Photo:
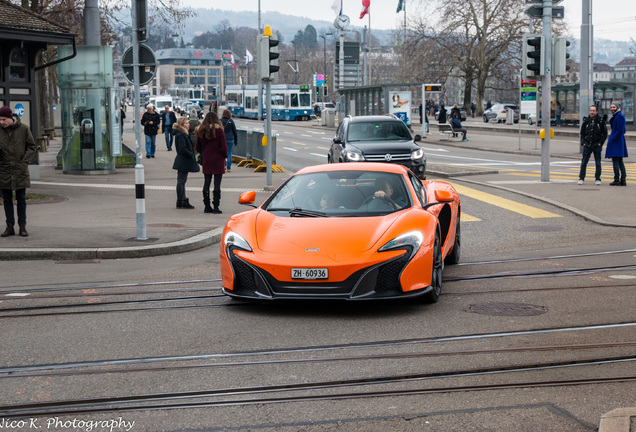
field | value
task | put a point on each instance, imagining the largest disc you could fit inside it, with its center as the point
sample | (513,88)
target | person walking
(231,136)
(150,121)
(184,162)
(122,116)
(213,148)
(17,148)
(616,145)
(592,137)
(442,114)
(168,119)
(473,107)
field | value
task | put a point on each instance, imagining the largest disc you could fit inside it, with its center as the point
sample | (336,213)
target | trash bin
(509,116)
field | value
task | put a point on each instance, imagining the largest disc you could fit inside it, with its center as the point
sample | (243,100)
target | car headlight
(417,154)
(413,239)
(354,156)
(235,240)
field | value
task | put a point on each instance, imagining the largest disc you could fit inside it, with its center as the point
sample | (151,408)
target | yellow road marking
(469,218)
(504,203)
(298,143)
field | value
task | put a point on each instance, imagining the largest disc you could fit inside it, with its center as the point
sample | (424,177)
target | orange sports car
(345,231)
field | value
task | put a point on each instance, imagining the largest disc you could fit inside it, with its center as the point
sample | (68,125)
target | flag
(365,8)
(400,6)
(337,7)
(248,57)
(232,59)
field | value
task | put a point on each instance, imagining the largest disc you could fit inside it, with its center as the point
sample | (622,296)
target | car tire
(530,121)
(485,119)
(436,272)
(453,257)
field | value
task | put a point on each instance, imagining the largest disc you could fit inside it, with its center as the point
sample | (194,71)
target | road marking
(318,154)
(327,138)
(468,218)
(299,143)
(435,149)
(516,207)
(314,132)
(290,149)
(323,148)
(307,136)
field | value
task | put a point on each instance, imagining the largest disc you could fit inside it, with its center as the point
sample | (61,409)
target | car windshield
(340,194)
(378,131)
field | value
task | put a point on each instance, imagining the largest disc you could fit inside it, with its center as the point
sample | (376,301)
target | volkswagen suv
(377,139)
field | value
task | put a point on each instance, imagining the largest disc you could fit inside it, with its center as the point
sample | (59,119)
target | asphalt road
(536,313)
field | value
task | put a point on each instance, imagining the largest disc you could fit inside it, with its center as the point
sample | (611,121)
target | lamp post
(324,51)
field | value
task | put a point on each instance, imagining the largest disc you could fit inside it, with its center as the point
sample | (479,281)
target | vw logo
(388,157)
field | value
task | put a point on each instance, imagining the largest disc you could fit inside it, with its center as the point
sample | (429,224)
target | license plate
(309,273)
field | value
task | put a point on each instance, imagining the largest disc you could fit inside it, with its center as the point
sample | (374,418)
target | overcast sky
(613,19)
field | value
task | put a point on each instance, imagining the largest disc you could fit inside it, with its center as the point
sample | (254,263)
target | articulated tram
(289,101)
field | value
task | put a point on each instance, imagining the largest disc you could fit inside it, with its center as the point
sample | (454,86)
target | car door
(337,144)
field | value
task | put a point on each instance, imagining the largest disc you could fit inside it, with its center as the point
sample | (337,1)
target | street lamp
(324,50)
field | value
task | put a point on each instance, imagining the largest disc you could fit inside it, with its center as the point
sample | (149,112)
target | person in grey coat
(17,148)
(184,162)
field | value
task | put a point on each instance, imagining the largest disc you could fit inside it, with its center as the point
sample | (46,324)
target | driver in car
(385,191)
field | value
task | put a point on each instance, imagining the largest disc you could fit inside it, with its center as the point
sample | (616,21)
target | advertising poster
(400,105)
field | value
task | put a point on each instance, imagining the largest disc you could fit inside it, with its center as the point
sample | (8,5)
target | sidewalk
(94,216)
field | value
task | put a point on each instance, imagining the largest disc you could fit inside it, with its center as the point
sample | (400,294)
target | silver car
(498,112)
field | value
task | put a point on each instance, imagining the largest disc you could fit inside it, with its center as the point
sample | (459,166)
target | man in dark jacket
(168,119)
(150,121)
(16,151)
(593,135)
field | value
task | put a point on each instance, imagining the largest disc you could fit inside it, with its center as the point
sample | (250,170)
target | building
(625,70)
(179,69)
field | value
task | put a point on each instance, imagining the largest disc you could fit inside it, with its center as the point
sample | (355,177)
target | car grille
(387,157)
(382,280)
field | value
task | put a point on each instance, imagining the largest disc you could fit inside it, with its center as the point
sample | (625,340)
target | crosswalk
(572,173)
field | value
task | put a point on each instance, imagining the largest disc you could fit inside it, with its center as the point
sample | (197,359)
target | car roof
(374,118)
(355,166)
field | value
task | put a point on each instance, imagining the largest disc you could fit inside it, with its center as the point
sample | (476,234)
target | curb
(618,420)
(65,254)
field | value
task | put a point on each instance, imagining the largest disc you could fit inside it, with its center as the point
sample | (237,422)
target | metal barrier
(250,151)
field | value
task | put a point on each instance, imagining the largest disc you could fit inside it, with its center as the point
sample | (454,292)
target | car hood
(375,147)
(330,236)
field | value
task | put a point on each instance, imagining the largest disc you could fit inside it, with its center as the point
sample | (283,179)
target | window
(294,99)
(305,100)
(17,65)
(197,71)
(180,80)
(278,99)
(248,103)
(180,71)
(232,98)
(213,80)
(213,72)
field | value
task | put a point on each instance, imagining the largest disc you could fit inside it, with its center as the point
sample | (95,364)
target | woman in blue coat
(184,161)
(616,145)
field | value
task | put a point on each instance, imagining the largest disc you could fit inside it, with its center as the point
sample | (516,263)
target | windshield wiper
(306,213)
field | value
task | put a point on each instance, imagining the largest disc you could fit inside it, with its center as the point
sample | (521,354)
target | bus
(289,101)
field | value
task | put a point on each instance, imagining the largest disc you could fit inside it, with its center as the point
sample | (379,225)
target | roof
(14,17)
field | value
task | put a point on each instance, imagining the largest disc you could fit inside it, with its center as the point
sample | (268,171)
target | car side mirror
(337,140)
(444,196)
(247,198)
(418,137)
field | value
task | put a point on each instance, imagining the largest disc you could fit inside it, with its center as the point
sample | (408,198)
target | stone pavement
(94,216)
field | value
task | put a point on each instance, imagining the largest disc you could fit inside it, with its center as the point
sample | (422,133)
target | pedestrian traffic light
(560,56)
(326,90)
(533,56)
(267,55)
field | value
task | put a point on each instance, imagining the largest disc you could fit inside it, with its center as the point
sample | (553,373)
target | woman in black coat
(184,161)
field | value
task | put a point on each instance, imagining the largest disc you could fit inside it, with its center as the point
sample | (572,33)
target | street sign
(536,11)
(147,65)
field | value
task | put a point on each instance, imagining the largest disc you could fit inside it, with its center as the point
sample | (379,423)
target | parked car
(498,112)
(377,139)
(462,113)
(328,233)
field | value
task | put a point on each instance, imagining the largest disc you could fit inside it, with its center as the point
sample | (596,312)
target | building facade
(180,69)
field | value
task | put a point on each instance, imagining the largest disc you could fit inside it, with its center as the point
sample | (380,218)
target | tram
(195,94)
(289,101)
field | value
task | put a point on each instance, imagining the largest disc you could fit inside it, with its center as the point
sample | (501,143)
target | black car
(377,139)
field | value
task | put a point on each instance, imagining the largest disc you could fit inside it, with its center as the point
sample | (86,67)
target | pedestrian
(457,127)
(16,151)
(168,119)
(454,112)
(473,108)
(213,148)
(192,130)
(558,112)
(489,104)
(616,145)
(593,134)
(150,121)
(231,137)
(184,162)
(442,114)
(122,116)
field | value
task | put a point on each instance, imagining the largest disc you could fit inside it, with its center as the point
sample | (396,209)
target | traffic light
(560,56)
(326,90)
(533,56)
(267,55)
